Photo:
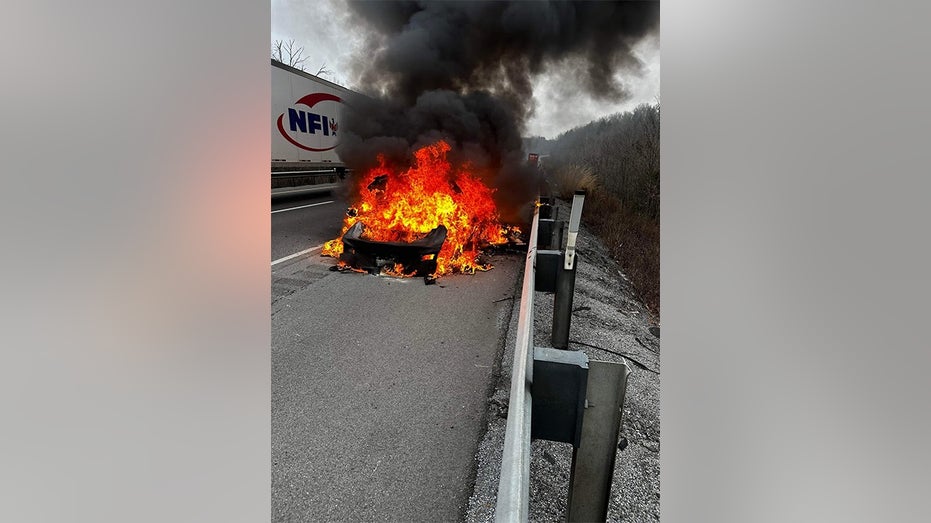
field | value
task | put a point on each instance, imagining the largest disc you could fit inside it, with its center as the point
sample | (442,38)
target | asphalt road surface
(303,222)
(379,384)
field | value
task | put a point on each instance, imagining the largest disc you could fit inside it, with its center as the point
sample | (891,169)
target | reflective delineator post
(565,279)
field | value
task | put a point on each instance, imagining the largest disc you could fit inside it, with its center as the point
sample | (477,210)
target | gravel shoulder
(607,315)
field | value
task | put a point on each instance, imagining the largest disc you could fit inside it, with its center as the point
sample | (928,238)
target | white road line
(295,255)
(302,206)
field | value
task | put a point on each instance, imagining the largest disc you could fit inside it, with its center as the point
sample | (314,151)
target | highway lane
(379,385)
(303,222)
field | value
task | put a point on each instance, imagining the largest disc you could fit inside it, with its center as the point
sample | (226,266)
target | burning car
(429,219)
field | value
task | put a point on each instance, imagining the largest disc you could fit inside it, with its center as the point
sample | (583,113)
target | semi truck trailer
(306,120)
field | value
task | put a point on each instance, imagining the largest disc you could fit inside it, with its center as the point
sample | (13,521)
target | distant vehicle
(536,159)
(306,118)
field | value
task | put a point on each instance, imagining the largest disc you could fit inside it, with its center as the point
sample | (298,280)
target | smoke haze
(464,71)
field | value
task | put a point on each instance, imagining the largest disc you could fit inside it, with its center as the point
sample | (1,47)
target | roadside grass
(631,238)
(570,178)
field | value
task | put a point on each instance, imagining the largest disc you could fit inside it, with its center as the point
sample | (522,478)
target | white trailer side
(305,120)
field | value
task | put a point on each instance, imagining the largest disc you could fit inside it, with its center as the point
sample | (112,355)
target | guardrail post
(547,208)
(547,269)
(565,279)
(560,378)
(560,233)
(545,239)
(593,460)
(562,304)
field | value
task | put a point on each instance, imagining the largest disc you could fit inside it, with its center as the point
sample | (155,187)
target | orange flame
(404,206)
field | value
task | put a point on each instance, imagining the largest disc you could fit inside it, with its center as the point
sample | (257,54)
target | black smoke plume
(463,71)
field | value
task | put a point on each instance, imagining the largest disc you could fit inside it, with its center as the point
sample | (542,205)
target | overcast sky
(325,29)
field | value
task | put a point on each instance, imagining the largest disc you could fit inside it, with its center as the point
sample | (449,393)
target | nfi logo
(299,120)
(312,130)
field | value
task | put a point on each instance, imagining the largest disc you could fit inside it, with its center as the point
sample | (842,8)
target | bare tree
(323,70)
(622,151)
(288,54)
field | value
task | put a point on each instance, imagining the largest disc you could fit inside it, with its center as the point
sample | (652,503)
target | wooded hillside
(617,160)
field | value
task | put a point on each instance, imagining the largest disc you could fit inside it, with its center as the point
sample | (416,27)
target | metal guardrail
(514,483)
(551,387)
(299,173)
(281,180)
(303,190)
